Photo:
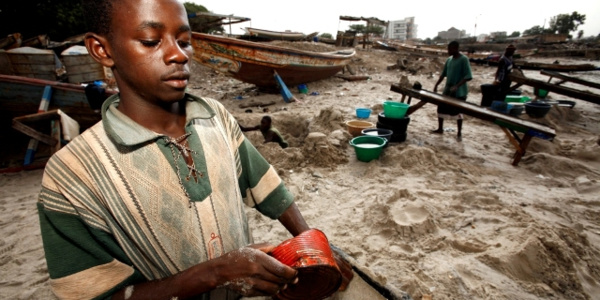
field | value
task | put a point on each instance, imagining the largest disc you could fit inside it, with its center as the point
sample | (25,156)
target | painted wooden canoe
(255,63)
(275,35)
(21,96)
(525,65)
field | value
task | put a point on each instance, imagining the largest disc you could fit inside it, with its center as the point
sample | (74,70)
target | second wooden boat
(275,35)
(256,62)
(21,96)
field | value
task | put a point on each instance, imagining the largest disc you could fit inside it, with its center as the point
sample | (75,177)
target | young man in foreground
(457,72)
(148,203)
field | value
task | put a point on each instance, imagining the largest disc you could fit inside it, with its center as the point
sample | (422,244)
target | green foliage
(535,30)
(359,28)
(428,41)
(374,29)
(580,34)
(204,24)
(58,19)
(515,34)
(326,35)
(565,23)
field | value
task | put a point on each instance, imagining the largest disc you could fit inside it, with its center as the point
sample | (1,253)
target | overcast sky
(431,16)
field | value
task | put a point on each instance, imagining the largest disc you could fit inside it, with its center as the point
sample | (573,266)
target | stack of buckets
(394,118)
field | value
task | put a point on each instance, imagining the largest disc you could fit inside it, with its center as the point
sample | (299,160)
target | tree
(374,29)
(515,34)
(580,34)
(58,19)
(428,41)
(359,28)
(204,24)
(535,30)
(326,35)
(565,23)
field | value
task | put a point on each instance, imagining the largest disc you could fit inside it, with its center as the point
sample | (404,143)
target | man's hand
(453,89)
(251,272)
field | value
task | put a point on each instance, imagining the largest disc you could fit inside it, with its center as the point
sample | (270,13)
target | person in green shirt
(457,72)
(270,133)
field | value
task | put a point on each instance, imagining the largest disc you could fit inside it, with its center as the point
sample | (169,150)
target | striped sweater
(114,212)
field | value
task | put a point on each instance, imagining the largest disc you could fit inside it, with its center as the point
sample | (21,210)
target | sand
(433,217)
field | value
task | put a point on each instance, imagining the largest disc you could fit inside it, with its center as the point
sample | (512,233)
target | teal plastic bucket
(368,148)
(395,110)
(302,88)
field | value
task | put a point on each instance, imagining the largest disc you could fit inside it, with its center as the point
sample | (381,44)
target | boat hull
(256,62)
(275,35)
(21,96)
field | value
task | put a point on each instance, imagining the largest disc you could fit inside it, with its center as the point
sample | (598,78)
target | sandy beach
(432,217)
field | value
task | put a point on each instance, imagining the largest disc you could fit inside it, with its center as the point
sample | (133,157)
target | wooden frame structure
(509,124)
(53,140)
(520,80)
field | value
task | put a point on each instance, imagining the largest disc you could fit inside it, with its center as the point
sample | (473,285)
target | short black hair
(267,118)
(453,44)
(99,15)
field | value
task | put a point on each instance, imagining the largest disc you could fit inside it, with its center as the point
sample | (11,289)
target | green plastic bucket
(368,148)
(395,110)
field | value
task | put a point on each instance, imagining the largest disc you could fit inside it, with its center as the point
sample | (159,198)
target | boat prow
(256,63)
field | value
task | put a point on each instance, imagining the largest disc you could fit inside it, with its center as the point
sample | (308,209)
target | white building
(402,29)
(452,34)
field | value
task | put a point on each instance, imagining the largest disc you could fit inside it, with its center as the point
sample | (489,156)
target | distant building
(482,38)
(402,29)
(498,35)
(452,34)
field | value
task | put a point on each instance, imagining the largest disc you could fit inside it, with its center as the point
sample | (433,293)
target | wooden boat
(21,96)
(492,60)
(274,35)
(423,51)
(525,65)
(256,62)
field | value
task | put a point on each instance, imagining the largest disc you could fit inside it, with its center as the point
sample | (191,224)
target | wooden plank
(564,78)
(44,138)
(472,110)
(586,96)
(523,146)
(42,116)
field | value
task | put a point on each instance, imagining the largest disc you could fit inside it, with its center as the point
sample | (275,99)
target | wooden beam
(570,79)
(586,96)
(48,115)
(44,138)
(475,110)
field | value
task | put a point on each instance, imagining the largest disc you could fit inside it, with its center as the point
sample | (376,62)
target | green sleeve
(82,261)
(260,185)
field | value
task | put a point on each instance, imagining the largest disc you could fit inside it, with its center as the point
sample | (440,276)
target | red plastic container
(318,274)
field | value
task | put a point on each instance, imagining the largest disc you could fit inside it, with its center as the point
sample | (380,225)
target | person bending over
(270,133)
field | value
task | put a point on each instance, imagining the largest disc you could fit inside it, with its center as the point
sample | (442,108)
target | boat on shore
(528,65)
(274,35)
(22,95)
(256,63)
(422,51)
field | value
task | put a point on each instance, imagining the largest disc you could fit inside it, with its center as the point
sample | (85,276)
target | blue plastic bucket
(363,113)
(302,88)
